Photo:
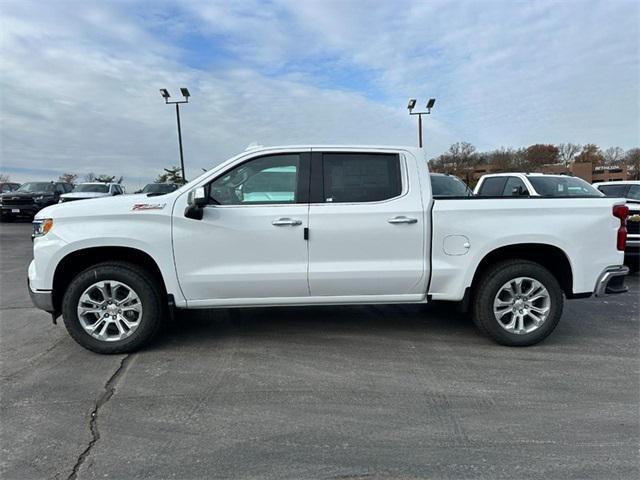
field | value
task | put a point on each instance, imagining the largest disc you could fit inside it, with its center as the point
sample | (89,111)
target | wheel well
(550,257)
(80,260)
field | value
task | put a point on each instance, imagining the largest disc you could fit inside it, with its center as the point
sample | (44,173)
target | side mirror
(519,192)
(196,202)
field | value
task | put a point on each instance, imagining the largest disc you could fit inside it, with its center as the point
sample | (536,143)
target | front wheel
(112,307)
(518,303)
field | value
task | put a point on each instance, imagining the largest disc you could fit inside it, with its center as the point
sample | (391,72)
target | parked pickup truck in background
(84,191)
(533,185)
(321,225)
(630,191)
(30,198)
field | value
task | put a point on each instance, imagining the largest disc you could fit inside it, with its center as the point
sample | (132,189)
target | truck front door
(250,242)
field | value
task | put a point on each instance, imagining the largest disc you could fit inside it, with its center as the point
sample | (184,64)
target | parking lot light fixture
(411,106)
(185,93)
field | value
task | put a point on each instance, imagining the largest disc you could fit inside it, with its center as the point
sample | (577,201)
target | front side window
(615,191)
(361,177)
(492,187)
(514,188)
(563,187)
(266,180)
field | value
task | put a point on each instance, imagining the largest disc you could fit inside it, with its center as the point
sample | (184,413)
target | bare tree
(90,177)
(68,178)
(567,153)
(632,160)
(4,177)
(613,155)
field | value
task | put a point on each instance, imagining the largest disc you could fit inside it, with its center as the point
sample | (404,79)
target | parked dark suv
(30,198)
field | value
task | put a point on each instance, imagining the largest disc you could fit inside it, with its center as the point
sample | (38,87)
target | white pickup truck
(320,225)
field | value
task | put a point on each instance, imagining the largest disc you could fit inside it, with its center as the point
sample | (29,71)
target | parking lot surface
(335,392)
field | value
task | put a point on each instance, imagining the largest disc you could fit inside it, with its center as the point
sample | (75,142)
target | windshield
(448,186)
(92,187)
(36,187)
(563,187)
(158,188)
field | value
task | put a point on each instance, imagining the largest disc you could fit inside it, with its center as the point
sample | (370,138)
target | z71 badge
(148,206)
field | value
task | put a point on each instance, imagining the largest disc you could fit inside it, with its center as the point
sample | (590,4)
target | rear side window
(492,187)
(361,177)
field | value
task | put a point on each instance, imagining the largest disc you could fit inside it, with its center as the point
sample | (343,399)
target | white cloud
(80,80)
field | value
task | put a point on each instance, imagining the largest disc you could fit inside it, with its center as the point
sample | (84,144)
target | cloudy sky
(80,79)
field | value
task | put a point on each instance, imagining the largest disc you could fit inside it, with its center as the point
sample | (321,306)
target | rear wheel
(113,308)
(518,303)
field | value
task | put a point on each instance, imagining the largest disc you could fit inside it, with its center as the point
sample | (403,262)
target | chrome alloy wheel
(522,305)
(109,310)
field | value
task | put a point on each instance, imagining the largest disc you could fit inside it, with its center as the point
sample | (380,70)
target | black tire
(488,287)
(140,281)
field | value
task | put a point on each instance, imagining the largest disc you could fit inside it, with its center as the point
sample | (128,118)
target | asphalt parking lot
(334,393)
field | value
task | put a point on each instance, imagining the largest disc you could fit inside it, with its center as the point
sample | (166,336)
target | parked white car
(320,225)
(533,185)
(630,191)
(83,191)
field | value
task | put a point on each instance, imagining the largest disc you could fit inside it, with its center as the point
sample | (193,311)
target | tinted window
(160,188)
(616,191)
(265,180)
(563,187)
(37,187)
(448,186)
(92,187)
(360,177)
(492,187)
(514,188)
(634,192)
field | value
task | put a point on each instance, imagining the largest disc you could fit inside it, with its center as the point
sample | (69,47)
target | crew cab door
(366,225)
(250,242)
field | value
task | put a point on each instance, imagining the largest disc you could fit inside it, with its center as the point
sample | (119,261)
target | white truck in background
(317,225)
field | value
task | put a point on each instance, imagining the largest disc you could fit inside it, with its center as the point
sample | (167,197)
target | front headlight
(41,227)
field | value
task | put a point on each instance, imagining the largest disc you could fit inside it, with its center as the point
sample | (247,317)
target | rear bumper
(41,299)
(611,281)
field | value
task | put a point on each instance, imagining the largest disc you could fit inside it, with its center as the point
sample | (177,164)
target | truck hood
(109,206)
(78,195)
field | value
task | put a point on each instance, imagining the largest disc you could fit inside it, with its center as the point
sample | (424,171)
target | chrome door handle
(402,220)
(281,222)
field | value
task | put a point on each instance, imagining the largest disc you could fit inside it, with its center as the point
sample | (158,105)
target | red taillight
(621,212)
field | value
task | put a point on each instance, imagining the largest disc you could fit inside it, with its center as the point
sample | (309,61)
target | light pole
(185,93)
(411,106)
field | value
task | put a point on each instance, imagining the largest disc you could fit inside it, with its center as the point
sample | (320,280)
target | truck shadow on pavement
(351,322)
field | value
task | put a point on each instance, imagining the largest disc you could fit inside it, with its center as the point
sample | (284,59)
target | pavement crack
(109,390)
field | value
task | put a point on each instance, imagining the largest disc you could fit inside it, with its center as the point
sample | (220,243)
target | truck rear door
(366,225)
